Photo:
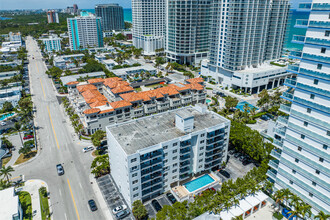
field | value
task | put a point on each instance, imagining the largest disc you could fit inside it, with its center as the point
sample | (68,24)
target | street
(70,192)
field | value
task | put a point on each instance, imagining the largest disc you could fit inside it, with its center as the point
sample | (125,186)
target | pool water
(3,117)
(240,106)
(208,100)
(198,183)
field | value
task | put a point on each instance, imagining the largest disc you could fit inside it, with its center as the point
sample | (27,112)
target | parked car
(86,149)
(28,137)
(118,209)
(122,214)
(241,158)
(3,123)
(92,205)
(60,169)
(231,151)
(246,162)
(156,205)
(236,155)
(264,117)
(171,198)
(224,173)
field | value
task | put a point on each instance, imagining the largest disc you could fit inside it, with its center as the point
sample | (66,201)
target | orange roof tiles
(91,111)
(120,104)
(92,96)
(131,97)
(96,80)
(121,89)
(195,80)
(107,110)
(86,87)
(72,83)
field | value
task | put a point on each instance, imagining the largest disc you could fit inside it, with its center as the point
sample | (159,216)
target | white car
(86,149)
(119,208)
(3,123)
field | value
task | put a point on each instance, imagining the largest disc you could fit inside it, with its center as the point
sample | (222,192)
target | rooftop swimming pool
(208,100)
(198,183)
(4,116)
(240,106)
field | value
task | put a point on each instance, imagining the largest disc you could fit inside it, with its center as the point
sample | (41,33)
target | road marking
(65,216)
(74,203)
(43,91)
(80,186)
(60,192)
(51,122)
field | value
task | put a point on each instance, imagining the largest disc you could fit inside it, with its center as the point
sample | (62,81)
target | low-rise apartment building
(11,93)
(101,102)
(132,71)
(63,61)
(150,155)
(10,206)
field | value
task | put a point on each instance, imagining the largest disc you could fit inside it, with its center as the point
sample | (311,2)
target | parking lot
(162,199)
(111,194)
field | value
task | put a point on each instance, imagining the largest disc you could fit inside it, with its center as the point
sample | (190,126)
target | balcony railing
(285,108)
(301,22)
(187,156)
(321,6)
(303,6)
(296,53)
(280,131)
(275,154)
(312,104)
(313,89)
(293,68)
(271,174)
(273,163)
(300,39)
(320,24)
(315,73)
(316,57)
(318,41)
(309,132)
(278,143)
(283,120)
(311,119)
(287,95)
(290,82)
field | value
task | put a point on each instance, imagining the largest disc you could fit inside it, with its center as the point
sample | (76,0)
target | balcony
(311,40)
(184,169)
(321,6)
(295,54)
(283,120)
(316,57)
(286,108)
(278,143)
(149,156)
(184,150)
(309,132)
(298,39)
(305,6)
(315,73)
(312,104)
(290,82)
(275,153)
(311,119)
(313,89)
(319,24)
(271,174)
(301,23)
(288,96)
(151,162)
(280,131)
(175,101)
(151,170)
(273,164)
(182,164)
(185,157)
(293,68)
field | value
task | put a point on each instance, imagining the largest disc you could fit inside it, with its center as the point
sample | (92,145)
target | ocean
(294,15)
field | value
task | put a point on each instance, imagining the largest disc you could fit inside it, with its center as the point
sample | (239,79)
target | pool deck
(183,194)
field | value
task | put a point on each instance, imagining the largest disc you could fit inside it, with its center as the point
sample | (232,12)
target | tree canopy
(139,210)
(97,137)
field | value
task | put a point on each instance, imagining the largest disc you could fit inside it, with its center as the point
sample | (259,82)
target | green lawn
(44,206)
(25,199)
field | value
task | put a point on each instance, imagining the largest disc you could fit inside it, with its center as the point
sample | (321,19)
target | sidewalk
(32,187)
(16,141)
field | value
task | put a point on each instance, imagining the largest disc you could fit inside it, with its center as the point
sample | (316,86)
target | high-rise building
(112,16)
(187,30)
(15,37)
(244,37)
(75,9)
(52,43)
(302,159)
(148,25)
(52,17)
(150,155)
(85,31)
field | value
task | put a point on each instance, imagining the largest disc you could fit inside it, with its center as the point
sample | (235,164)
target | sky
(82,4)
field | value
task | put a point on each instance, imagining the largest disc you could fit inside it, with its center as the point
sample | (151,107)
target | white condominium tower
(302,160)
(148,25)
(187,31)
(244,36)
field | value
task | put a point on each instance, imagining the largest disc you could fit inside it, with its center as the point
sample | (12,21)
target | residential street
(70,192)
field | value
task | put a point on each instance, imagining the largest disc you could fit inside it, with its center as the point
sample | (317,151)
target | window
(325,147)
(133,160)
(327,33)
(175,144)
(201,148)
(302,136)
(202,141)
(135,181)
(323,49)
(135,188)
(316,81)
(201,154)
(311,194)
(312,96)
(328,133)
(201,160)
(309,110)
(296,160)
(174,177)
(174,158)
(294,172)
(175,165)
(291,182)
(165,161)
(202,135)
(165,147)
(173,171)
(165,154)
(321,159)
(134,168)
(299,148)
(134,174)
(319,66)
(200,166)
(165,174)
(313,183)
(317,171)
(305,123)
(136,195)
(174,151)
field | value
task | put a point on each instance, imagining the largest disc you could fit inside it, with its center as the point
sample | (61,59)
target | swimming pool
(4,116)
(198,183)
(240,106)
(208,100)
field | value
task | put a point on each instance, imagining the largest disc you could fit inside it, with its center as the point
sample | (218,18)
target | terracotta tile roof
(121,89)
(96,80)
(105,111)
(131,97)
(92,96)
(91,111)
(195,80)
(114,82)
(120,104)
(72,83)
(86,87)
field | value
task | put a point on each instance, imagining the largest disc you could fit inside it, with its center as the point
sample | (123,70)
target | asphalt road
(70,192)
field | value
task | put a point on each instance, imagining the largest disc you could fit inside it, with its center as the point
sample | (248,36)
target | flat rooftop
(262,68)
(148,131)
(8,203)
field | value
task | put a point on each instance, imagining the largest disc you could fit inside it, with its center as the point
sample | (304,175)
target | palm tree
(322,216)
(6,172)
(281,195)
(17,127)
